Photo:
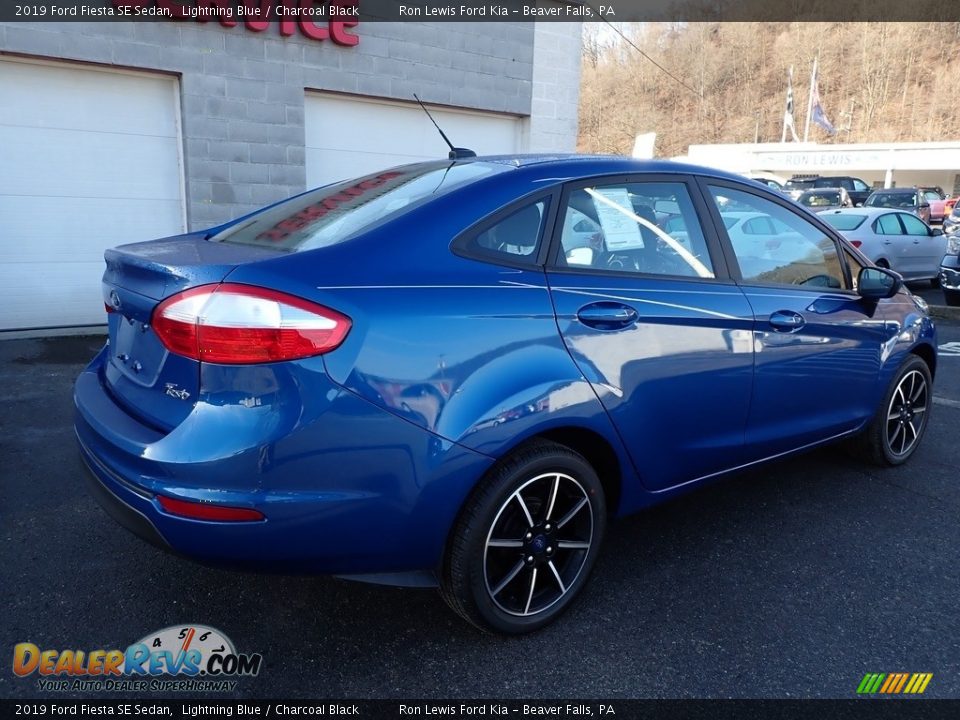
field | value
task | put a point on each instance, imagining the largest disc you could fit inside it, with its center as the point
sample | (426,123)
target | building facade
(877,164)
(114,132)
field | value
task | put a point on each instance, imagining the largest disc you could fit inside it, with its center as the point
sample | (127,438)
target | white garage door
(348,136)
(89,159)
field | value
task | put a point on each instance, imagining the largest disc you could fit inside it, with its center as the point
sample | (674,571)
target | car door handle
(607,315)
(787,320)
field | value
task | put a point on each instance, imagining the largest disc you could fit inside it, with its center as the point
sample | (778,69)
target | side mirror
(859,205)
(878,283)
(936,232)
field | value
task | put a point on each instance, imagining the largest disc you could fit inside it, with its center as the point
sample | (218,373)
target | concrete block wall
(242,92)
(553,118)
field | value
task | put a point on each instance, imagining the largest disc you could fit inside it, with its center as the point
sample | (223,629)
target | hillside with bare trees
(727,83)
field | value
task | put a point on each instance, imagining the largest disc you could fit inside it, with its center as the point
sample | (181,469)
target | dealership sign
(825,159)
(315,19)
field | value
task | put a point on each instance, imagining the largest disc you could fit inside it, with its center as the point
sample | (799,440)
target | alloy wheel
(538,544)
(907,413)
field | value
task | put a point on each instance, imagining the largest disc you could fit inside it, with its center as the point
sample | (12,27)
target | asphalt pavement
(793,580)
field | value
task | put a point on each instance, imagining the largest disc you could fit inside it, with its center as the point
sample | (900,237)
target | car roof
(911,190)
(569,166)
(868,211)
(741,214)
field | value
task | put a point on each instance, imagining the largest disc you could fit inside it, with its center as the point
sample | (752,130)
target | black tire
(514,565)
(896,430)
(951,298)
(935,282)
(881,263)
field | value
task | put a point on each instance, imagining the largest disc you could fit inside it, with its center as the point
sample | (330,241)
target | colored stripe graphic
(903,681)
(894,683)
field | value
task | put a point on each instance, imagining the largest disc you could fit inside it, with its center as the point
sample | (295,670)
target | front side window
(644,227)
(913,225)
(791,250)
(859,185)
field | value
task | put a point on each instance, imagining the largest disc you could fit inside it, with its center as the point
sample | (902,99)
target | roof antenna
(455,152)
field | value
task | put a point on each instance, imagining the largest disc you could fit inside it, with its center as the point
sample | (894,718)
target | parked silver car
(894,239)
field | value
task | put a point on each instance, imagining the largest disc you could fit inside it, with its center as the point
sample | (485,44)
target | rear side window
(887,225)
(513,239)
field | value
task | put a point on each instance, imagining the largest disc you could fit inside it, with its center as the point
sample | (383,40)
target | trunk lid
(145,379)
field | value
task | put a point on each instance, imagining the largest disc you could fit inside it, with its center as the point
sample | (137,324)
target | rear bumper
(126,515)
(345,487)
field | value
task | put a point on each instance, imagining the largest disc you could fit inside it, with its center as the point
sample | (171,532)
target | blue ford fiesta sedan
(457,372)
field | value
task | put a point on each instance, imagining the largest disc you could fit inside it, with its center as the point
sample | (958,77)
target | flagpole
(783,135)
(813,79)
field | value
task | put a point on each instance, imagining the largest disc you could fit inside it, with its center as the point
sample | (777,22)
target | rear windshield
(820,198)
(337,212)
(844,222)
(892,199)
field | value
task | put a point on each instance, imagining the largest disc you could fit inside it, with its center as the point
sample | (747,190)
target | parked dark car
(951,223)
(950,271)
(856,188)
(910,199)
(422,377)
(796,186)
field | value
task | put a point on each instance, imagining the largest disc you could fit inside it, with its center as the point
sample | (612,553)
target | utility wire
(634,46)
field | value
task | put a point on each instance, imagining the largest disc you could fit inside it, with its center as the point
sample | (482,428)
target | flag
(788,114)
(818,115)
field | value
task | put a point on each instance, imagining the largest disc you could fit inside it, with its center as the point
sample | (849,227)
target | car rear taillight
(238,324)
(856,243)
(208,511)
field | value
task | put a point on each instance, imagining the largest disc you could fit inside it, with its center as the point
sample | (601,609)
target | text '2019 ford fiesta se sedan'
(427,375)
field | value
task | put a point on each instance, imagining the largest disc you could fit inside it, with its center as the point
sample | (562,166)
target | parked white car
(894,239)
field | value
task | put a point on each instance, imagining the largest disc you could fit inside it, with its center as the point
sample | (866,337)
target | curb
(943,312)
